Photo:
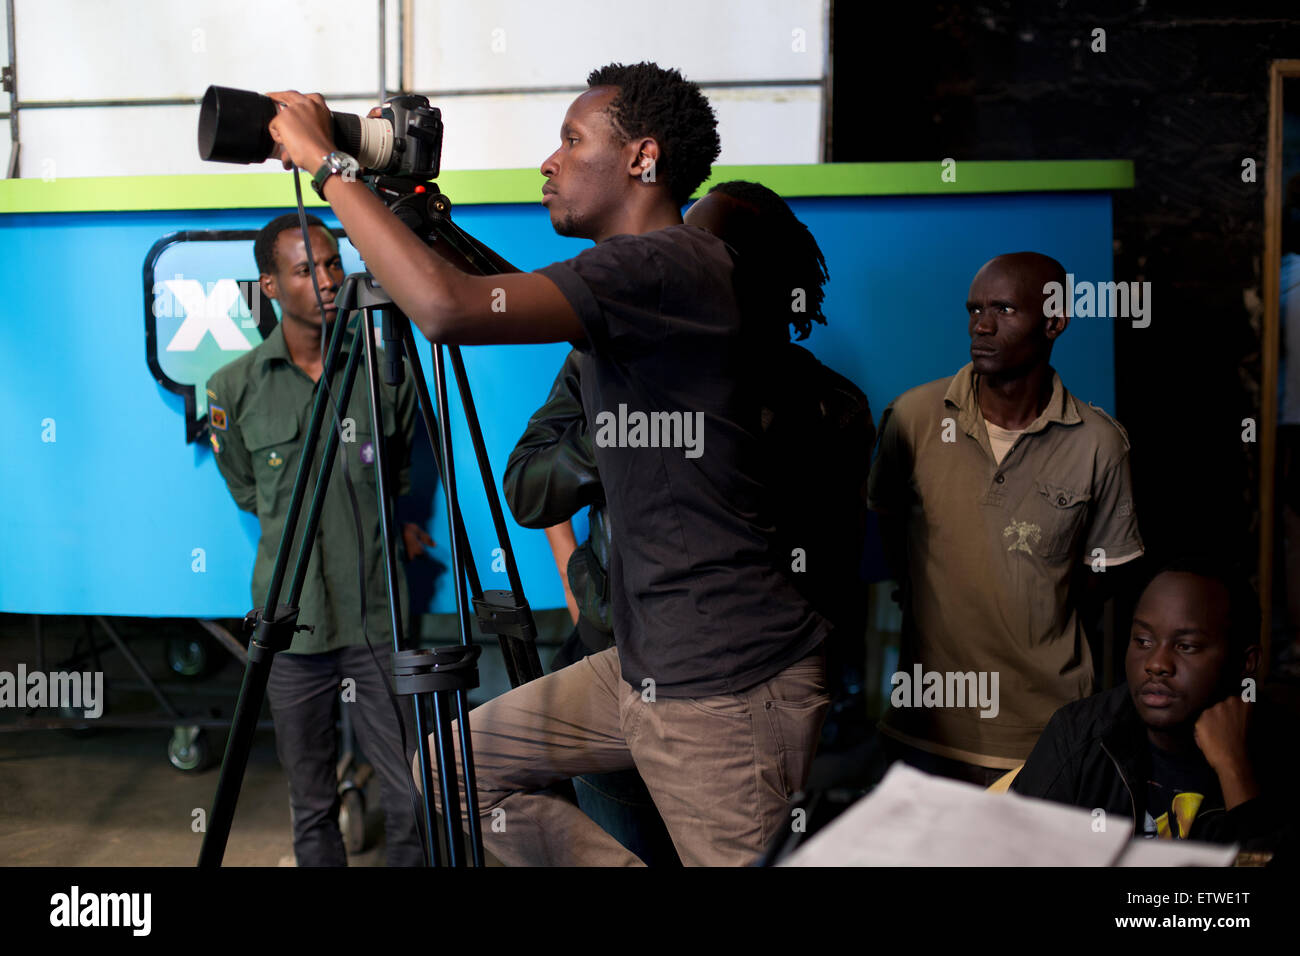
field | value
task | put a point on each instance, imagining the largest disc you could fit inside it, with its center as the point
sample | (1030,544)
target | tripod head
(426,211)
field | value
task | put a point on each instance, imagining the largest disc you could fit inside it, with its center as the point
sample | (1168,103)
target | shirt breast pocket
(1060,511)
(273,448)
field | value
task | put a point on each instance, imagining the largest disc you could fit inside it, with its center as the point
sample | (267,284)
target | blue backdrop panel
(106,517)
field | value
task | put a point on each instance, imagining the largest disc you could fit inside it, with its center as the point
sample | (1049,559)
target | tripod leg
(527,661)
(429,415)
(461,699)
(458,561)
(446,759)
(391,570)
(252,693)
(310,441)
(274,633)
(326,470)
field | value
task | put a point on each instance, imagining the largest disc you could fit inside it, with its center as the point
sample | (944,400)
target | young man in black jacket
(1180,751)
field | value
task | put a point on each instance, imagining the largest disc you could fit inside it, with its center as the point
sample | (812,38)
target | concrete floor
(112,799)
(109,796)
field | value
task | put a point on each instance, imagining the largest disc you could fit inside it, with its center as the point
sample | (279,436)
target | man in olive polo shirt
(998,491)
(259,409)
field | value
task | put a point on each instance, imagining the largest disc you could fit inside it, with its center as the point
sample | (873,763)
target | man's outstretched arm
(445,304)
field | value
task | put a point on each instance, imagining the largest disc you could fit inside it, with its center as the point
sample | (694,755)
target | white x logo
(206,312)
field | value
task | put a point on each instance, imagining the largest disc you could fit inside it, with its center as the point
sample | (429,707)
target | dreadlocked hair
(779,258)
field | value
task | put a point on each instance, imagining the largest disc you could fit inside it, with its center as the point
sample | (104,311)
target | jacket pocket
(273,447)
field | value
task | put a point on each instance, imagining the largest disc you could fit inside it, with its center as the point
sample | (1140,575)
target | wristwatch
(335,162)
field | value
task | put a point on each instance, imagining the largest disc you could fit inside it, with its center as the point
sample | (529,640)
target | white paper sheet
(914,819)
(1177,853)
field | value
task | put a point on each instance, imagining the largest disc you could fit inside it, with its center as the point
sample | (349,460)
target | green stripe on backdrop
(264,191)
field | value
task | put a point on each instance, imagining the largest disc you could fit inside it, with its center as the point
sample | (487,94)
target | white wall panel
(122,141)
(4,56)
(771,125)
(134,49)
(501,132)
(523,43)
(768,125)
(774,125)
(131,49)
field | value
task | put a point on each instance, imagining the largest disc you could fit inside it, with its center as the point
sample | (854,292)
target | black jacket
(551,476)
(1094,754)
(818,435)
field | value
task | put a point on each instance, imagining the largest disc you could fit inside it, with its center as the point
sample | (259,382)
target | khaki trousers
(721,769)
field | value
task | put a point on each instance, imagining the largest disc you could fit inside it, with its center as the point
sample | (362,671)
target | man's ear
(1250,663)
(270,288)
(1057,324)
(644,160)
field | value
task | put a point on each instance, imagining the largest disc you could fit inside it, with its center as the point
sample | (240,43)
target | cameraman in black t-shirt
(716,689)
(818,436)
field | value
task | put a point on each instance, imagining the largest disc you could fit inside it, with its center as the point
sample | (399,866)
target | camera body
(417,151)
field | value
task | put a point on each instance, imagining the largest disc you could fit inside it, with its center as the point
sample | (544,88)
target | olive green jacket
(259,409)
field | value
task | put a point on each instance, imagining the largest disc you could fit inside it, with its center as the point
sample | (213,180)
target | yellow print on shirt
(1184,807)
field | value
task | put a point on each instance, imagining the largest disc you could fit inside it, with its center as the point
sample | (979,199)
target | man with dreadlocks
(817,426)
(818,435)
(716,688)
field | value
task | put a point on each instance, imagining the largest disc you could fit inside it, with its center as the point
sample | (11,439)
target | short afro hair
(1243,600)
(652,101)
(777,256)
(264,244)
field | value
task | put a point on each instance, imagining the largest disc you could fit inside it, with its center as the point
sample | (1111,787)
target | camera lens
(233,126)
(233,129)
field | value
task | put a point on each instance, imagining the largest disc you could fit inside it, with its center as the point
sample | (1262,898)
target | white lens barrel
(376,143)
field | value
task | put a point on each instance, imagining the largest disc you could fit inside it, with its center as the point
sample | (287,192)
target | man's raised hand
(302,129)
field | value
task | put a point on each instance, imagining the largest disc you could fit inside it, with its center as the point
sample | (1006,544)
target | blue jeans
(622,805)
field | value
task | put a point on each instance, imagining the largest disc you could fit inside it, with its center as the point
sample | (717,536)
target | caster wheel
(76,713)
(189,656)
(188,749)
(352,819)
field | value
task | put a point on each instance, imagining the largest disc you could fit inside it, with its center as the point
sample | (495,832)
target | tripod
(439,679)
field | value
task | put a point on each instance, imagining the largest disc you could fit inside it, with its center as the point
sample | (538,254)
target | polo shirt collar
(1062,407)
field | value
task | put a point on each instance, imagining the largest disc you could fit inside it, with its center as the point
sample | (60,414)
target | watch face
(335,162)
